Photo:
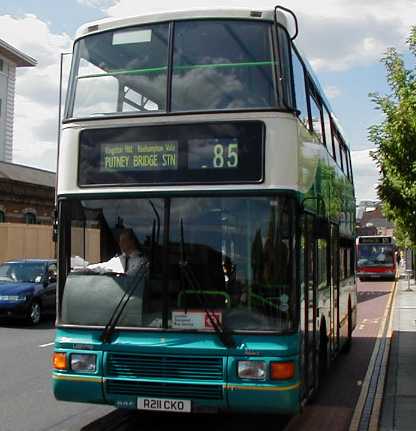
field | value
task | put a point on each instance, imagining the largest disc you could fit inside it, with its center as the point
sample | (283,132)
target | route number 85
(225,156)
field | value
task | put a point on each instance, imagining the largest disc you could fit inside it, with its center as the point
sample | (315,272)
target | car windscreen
(22,272)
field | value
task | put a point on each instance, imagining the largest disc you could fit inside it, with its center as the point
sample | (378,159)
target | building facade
(10,59)
(27,195)
(371,220)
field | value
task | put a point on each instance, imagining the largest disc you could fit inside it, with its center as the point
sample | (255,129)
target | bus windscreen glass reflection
(237,249)
(375,254)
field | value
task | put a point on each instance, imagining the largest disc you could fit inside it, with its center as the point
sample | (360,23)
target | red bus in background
(376,257)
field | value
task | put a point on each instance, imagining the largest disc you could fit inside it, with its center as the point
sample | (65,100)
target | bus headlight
(255,370)
(83,363)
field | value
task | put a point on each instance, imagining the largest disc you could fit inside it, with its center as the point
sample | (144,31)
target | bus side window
(348,155)
(328,134)
(285,70)
(344,159)
(316,118)
(351,170)
(337,145)
(300,88)
(342,268)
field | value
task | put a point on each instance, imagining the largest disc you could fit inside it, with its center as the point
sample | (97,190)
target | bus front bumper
(207,397)
(368,274)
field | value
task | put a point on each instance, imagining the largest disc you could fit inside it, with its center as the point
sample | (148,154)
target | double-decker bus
(206,137)
(376,257)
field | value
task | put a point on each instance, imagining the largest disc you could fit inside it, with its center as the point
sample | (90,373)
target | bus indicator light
(59,361)
(282,370)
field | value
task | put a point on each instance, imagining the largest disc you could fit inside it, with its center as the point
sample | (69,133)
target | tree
(395,141)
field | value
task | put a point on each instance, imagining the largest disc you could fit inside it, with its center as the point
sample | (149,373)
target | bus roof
(231,13)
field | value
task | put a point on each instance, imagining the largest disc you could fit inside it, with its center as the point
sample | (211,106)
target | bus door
(310,281)
(334,247)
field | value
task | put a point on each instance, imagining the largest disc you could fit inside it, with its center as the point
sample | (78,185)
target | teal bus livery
(205,217)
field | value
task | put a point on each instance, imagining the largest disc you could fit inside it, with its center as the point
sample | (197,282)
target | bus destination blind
(375,240)
(213,153)
(139,156)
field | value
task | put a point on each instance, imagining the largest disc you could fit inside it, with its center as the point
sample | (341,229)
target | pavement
(399,400)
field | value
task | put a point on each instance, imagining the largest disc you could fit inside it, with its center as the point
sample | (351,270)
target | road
(26,399)
(335,401)
(27,403)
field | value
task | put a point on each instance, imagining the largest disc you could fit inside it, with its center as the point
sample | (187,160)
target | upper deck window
(120,71)
(222,65)
(316,119)
(300,88)
(216,65)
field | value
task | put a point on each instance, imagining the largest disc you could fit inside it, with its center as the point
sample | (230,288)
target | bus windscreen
(375,255)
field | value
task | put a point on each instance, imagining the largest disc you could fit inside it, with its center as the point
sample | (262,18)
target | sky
(343,40)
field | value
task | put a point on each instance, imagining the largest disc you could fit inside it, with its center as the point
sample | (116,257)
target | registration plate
(164,405)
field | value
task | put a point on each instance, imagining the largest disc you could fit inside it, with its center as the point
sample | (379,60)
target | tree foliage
(395,141)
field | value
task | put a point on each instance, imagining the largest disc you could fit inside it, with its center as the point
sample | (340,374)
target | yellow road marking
(355,421)
(375,413)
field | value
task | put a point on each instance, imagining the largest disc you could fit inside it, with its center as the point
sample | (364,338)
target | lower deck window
(230,255)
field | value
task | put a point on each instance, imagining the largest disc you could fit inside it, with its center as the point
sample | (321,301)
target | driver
(130,259)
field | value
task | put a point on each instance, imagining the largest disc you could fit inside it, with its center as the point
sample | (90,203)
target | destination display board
(139,156)
(375,240)
(213,153)
(173,154)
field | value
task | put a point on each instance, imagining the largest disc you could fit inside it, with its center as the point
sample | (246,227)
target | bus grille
(164,390)
(171,367)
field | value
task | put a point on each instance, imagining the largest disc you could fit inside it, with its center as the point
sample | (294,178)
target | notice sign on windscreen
(140,156)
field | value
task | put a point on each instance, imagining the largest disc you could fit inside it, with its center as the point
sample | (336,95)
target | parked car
(28,289)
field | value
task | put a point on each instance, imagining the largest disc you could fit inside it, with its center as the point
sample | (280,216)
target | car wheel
(35,313)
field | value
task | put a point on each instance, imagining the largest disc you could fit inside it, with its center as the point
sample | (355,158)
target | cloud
(332,91)
(97,4)
(365,175)
(37,88)
(335,35)
(353,41)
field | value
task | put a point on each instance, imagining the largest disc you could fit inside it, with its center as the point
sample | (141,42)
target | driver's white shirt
(134,263)
(118,263)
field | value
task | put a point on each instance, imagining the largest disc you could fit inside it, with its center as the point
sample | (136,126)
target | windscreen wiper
(188,274)
(158,220)
(118,310)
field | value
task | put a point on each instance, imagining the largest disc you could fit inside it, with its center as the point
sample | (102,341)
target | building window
(2,217)
(30,218)
(1,65)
